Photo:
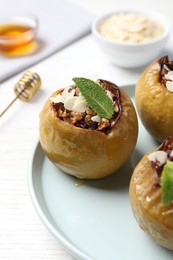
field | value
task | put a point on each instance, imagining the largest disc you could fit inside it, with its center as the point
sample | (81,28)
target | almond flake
(79,106)
(134,28)
(57,99)
(109,95)
(69,102)
(169,75)
(81,98)
(68,92)
(169,85)
(159,156)
(96,119)
(171,154)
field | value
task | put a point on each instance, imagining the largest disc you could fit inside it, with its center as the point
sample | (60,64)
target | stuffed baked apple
(154,98)
(151,194)
(88,129)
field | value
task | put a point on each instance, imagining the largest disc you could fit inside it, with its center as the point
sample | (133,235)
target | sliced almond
(79,106)
(169,85)
(96,119)
(69,102)
(57,99)
(109,95)
(159,156)
(81,98)
(169,75)
(171,154)
(68,92)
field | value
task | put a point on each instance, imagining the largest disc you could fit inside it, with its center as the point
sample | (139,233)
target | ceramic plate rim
(72,249)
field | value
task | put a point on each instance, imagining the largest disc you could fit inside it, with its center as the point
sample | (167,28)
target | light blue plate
(94,220)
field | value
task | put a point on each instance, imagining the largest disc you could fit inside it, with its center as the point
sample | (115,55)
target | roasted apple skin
(88,153)
(148,210)
(154,103)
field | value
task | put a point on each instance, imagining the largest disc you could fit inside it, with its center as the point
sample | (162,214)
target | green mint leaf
(96,97)
(167,183)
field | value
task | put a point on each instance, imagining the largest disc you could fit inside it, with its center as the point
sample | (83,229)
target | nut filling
(158,164)
(166,73)
(89,119)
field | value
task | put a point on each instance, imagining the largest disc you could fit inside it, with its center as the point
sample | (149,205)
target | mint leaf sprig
(167,183)
(96,97)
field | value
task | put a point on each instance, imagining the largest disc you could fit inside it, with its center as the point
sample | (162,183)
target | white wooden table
(22,234)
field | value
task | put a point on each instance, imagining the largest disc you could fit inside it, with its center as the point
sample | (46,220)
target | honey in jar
(17,36)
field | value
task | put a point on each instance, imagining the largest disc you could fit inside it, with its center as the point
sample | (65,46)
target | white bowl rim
(148,12)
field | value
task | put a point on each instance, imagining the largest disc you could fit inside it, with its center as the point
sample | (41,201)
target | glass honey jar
(18,35)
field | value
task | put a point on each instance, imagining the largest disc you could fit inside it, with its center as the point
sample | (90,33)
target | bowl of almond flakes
(131,37)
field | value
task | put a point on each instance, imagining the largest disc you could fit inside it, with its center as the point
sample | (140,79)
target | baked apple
(154,98)
(79,141)
(147,186)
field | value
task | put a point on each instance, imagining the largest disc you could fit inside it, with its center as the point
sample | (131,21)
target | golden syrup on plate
(79,182)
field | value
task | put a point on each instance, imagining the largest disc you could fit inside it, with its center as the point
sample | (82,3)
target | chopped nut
(104,120)
(64,114)
(89,111)
(116,108)
(104,123)
(76,117)
(88,117)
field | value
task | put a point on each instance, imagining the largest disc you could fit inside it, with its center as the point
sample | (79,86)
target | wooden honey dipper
(25,88)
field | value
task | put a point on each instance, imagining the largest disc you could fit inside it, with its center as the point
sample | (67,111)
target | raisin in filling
(83,120)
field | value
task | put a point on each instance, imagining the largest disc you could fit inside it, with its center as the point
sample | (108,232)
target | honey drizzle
(79,182)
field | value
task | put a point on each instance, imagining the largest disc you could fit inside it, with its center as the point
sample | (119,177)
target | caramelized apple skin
(88,153)
(154,103)
(145,199)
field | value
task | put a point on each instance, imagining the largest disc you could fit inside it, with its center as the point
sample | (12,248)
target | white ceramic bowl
(132,55)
